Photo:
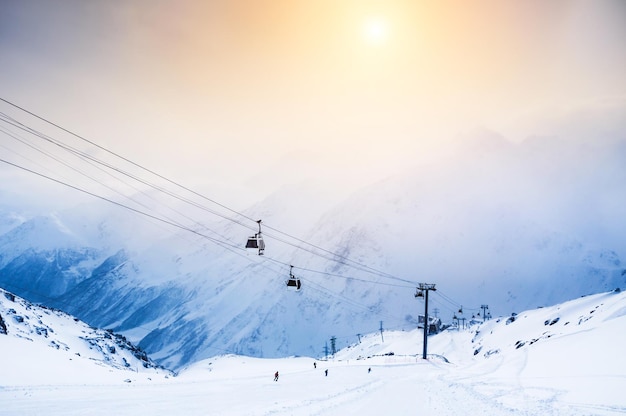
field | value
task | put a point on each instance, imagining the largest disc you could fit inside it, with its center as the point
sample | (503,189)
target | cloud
(213,93)
(602,119)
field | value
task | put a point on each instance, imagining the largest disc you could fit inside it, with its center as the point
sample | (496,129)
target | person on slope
(276,376)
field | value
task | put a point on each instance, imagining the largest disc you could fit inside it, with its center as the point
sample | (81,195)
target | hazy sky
(233,93)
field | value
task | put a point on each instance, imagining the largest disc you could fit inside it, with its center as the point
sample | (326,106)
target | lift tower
(422,291)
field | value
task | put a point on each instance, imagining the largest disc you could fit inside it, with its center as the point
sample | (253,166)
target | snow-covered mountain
(513,226)
(71,350)
(563,359)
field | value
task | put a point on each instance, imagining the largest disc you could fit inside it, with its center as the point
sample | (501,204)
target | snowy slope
(43,346)
(570,366)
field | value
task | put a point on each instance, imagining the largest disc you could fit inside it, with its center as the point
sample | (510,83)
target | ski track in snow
(420,388)
(424,387)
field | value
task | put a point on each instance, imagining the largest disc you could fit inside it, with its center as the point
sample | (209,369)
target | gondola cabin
(256,241)
(293,281)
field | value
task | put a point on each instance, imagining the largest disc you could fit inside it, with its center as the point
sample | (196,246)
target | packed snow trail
(244,386)
(239,388)
(424,388)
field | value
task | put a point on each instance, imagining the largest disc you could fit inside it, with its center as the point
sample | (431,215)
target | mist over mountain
(514,226)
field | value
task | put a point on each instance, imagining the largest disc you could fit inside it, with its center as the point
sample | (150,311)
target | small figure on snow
(314,364)
(369,370)
(276,376)
(326,372)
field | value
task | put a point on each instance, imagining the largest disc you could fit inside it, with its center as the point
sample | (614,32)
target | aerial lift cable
(221,243)
(11,134)
(346,260)
(228,246)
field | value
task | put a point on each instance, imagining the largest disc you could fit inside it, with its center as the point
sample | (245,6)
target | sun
(376,31)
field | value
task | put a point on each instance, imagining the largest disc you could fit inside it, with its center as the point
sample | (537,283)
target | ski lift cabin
(293,281)
(256,241)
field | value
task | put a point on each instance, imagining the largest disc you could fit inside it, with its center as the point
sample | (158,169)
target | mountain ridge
(39,329)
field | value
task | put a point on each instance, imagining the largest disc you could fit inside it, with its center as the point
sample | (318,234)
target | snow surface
(561,360)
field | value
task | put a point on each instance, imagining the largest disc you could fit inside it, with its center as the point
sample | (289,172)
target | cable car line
(228,246)
(335,255)
(256,241)
(66,164)
(447,299)
(455,304)
(358,266)
(90,158)
(112,167)
(109,187)
(348,262)
(361,266)
(221,243)
(310,284)
(124,158)
(333,274)
(352,278)
(236,249)
(197,194)
(176,224)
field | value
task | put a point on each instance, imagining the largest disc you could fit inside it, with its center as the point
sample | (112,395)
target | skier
(369,370)
(326,372)
(276,376)
(314,365)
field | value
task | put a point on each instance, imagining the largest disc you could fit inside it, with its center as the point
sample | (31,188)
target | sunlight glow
(376,31)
